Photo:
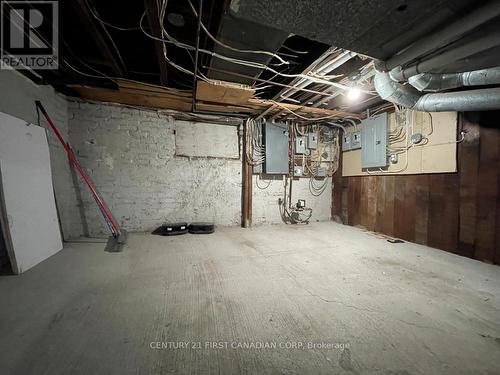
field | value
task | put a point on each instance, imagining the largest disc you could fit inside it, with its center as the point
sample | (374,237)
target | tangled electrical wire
(318,162)
(166,38)
(323,162)
(292,214)
(255,149)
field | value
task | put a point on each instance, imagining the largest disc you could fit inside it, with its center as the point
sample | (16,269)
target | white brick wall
(17,98)
(130,155)
(265,201)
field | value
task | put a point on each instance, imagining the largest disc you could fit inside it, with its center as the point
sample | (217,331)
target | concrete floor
(378,308)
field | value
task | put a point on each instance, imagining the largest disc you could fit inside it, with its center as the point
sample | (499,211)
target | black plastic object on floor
(201,228)
(394,240)
(171,229)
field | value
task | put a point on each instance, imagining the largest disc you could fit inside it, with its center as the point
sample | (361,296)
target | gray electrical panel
(346,142)
(355,140)
(351,141)
(312,142)
(320,172)
(374,141)
(300,145)
(276,135)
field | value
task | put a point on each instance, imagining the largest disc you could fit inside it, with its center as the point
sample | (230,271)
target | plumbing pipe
(468,49)
(446,36)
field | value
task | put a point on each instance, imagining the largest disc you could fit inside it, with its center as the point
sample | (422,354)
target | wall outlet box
(416,138)
(297,171)
(300,145)
(355,140)
(321,172)
(312,141)
(346,141)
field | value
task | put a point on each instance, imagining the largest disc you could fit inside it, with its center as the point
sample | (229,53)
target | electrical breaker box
(355,140)
(351,141)
(346,141)
(374,141)
(276,140)
(300,145)
(321,172)
(297,171)
(312,141)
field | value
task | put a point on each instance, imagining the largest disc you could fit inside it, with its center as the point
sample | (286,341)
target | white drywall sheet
(27,192)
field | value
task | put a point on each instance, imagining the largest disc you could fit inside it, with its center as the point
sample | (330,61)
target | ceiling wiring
(101,76)
(302,117)
(169,39)
(216,41)
(96,16)
(115,47)
(294,50)
(178,67)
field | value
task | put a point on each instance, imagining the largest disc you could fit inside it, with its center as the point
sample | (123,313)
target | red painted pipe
(106,212)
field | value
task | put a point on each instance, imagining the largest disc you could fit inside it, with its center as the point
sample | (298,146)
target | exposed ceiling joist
(152,11)
(232,100)
(100,36)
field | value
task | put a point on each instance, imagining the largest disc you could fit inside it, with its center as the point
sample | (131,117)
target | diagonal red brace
(110,220)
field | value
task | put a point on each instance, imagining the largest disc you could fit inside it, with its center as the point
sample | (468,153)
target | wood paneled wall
(457,212)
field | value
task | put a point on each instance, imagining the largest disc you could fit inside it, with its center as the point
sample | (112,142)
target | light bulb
(353,93)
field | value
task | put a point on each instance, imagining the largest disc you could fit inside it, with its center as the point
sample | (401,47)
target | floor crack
(338,302)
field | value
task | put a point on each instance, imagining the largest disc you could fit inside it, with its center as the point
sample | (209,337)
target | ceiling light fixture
(353,93)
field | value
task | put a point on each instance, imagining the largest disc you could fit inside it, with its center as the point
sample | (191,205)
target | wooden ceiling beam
(100,36)
(151,96)
(152,11)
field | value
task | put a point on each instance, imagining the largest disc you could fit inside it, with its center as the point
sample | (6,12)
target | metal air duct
(439,82)
(461,101)
(407,96)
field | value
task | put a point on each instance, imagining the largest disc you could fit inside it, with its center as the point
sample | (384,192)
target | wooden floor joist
(213,97)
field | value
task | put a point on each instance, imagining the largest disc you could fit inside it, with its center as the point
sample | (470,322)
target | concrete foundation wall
(131,156)
(17,98)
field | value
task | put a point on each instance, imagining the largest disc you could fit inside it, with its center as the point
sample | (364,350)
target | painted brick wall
(130,155)
(265,200)
(17,98)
